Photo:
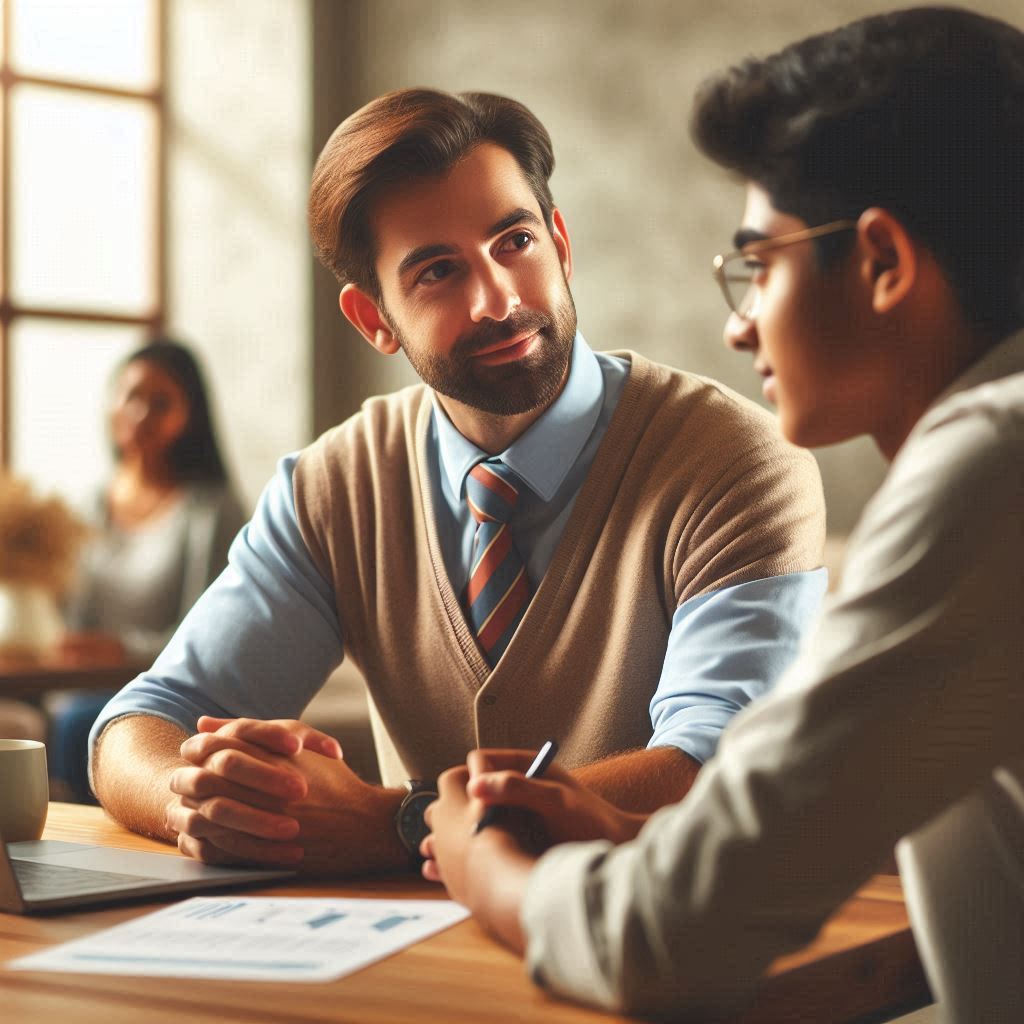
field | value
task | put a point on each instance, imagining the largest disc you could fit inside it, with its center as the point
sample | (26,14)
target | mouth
(508,350)
(768,388)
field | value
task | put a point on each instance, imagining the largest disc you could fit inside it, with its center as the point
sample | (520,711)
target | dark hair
(920,112)
(195,456)
(407,135)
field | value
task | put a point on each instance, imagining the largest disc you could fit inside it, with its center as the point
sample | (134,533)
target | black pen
(540,765)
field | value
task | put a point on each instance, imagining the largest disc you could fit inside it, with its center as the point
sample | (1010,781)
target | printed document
(255,939)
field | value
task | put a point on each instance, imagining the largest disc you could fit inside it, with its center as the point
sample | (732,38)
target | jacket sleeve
(907,699)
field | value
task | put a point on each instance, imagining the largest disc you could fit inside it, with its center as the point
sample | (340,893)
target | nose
(136,410)
(149,411)
(493,295)
(739,334)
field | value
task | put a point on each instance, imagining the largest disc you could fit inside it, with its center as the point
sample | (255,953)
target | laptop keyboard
(52,881)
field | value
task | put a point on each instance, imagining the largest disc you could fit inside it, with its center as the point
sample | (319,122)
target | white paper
(256,939)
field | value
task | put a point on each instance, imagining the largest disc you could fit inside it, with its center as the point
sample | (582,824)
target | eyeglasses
(736,271)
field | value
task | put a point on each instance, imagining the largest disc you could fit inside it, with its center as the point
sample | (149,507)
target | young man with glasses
(537,540)
(878,284)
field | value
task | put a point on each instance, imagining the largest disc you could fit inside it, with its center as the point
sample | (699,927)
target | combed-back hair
(920,112)
(412,134)
(195,455)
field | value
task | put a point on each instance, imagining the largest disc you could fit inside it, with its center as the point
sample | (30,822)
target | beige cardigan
(692,489)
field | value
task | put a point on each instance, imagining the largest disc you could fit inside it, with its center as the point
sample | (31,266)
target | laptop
(47,874)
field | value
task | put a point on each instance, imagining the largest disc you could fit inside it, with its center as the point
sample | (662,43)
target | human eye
(754,268)
(435,272)
(744,268)
(515,242)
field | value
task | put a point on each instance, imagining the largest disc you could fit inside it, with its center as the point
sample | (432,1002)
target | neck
(141,472)
(936,362)
(489,432)
(140,492)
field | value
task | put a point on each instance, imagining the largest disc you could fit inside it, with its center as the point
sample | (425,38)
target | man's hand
(490,870)
(486,872)
(567,810)
(230,806)
(281,735)
(346,826)
(570,811)
(279,794)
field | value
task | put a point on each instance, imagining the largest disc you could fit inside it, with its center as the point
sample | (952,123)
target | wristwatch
(409,823)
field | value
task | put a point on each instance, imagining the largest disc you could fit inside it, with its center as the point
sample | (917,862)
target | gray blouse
(137,583)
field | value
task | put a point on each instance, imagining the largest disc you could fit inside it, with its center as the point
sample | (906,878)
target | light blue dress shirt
(261,641)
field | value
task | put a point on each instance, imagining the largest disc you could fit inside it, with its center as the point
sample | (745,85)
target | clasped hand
(271,793)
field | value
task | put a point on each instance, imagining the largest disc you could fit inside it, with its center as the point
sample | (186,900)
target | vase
(30,624)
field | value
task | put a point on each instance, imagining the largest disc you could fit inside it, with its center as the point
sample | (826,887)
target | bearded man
(536,541)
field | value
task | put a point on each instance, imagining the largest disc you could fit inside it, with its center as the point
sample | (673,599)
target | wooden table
(26,678)
(862,967)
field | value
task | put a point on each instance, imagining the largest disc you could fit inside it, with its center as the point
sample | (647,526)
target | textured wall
(239,74)
(613,82)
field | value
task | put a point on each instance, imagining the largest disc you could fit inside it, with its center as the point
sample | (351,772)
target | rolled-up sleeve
(725,649)
(259,643)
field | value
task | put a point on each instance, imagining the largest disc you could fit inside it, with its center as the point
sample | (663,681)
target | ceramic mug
(24,791)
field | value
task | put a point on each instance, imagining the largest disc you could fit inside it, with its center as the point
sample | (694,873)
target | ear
(365,316)
(560,234)
(889,261)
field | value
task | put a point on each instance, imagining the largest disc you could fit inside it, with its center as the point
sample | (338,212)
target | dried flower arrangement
(39,538)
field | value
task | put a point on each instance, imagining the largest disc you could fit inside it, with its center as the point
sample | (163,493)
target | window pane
(60,371)
(83,183)
(108,42)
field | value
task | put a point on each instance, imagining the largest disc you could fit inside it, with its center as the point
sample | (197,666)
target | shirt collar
(1002,360)
(544,454)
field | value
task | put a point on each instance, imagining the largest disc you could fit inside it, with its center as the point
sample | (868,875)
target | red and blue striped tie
(498,590)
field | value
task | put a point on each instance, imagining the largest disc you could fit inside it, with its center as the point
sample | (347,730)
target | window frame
(11,311)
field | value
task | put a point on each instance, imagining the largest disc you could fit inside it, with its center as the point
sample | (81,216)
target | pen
(540,765)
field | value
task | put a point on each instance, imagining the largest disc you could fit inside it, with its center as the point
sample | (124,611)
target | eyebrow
(519,216)
(745,236)
(423,253)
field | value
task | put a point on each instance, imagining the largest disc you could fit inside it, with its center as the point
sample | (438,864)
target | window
(81,222)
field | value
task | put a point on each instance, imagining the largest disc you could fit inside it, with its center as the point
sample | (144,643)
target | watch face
(411,826)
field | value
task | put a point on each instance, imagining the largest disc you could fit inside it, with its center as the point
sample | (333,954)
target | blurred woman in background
(163,524)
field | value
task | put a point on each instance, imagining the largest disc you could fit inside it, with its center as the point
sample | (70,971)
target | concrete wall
(257,85)
(612,81)
(239,77)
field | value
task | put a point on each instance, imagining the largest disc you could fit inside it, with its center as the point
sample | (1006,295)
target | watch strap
(416,790)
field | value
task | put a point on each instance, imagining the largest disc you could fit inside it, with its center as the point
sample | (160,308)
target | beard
(507,389)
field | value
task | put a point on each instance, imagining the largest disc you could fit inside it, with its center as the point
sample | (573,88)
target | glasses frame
(720,263)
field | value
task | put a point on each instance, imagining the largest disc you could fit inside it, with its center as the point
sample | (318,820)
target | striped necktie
(498,590)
